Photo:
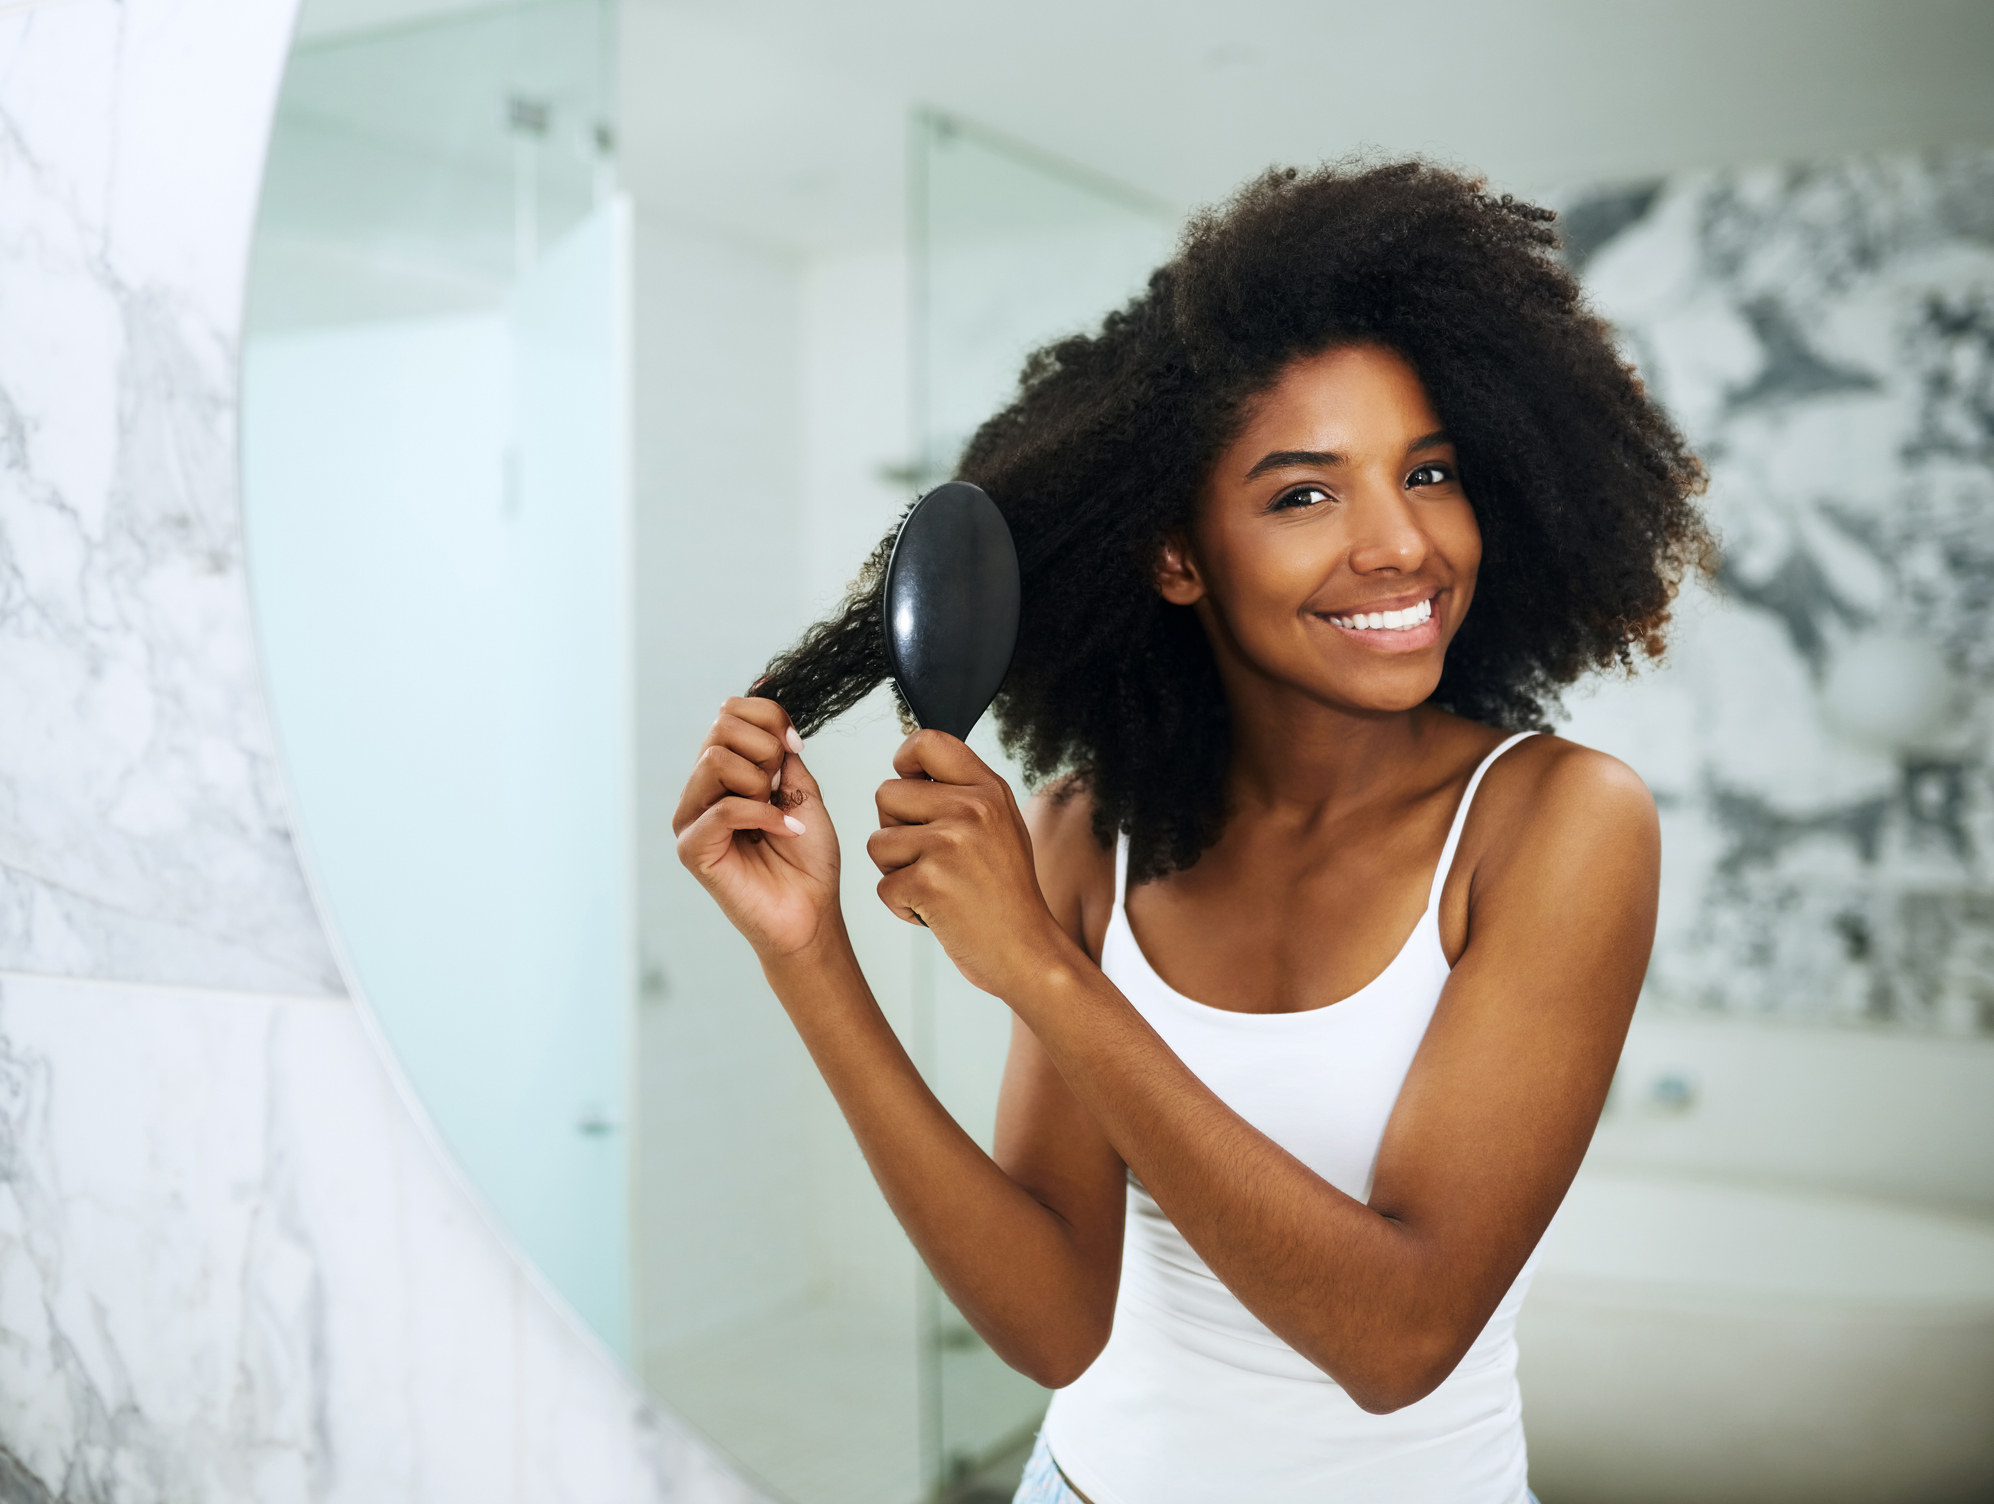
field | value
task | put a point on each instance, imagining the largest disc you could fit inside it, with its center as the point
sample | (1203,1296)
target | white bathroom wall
(854,368)
(233,1264)
(772,419)
(770,391)
(857,394)
(720,1073)
(778,1297)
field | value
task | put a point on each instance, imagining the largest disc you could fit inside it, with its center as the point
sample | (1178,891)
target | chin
(1387,694)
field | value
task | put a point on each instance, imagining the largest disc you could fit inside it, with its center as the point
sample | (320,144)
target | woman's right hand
(771,866)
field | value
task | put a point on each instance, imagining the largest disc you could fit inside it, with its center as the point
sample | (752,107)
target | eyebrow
(1284,459)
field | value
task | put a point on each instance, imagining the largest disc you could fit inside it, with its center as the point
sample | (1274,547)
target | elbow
(1058,1372)
(1413,1369)
(1390,1393)
(1060,1357)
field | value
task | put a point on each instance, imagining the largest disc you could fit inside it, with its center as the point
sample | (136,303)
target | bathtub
(1688,1340)
(1720,1315)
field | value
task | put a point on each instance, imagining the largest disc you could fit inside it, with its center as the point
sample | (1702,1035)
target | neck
(1296,755)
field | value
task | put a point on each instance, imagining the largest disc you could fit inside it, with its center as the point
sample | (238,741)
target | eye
(1297,497)
(1433,474)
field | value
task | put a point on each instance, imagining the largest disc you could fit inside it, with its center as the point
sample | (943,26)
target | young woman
(1320,961)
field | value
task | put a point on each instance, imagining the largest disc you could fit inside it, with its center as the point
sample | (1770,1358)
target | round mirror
(558,422)
(593,347)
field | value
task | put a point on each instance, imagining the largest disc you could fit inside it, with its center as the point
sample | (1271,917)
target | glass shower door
(1012,248)
(436,515)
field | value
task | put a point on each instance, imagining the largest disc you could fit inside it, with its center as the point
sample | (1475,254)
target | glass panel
(433,448)
(1011,249)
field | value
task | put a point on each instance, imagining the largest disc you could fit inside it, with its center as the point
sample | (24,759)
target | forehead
(1353,399)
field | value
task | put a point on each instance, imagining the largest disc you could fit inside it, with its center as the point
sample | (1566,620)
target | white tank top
(1194,1400)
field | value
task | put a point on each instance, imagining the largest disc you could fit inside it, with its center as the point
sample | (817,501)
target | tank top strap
(1121,869)
(1461,818)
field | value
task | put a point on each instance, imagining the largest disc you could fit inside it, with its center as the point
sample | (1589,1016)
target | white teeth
(1387,621)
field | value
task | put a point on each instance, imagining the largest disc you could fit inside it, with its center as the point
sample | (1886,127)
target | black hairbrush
(951,606)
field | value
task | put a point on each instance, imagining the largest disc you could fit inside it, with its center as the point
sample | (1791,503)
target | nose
(1386,536)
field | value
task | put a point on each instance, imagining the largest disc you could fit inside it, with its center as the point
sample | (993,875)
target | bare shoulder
(1548,798)
(1076,873)
(1557,778)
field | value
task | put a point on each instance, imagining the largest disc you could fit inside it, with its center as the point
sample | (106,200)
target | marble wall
(1819,739)
(142,832)
(234,1265)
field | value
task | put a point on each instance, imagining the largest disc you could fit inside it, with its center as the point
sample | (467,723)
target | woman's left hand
(957,857)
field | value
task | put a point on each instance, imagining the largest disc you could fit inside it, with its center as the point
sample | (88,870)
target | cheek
(1253,586)
(1263,583)
(1246,570)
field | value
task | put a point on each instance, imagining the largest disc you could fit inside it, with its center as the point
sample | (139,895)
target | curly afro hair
(1580,484)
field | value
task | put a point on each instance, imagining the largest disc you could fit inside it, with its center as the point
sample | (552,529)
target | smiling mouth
(1412,616)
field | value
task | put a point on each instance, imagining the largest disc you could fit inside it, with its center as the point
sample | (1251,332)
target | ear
(1178,579)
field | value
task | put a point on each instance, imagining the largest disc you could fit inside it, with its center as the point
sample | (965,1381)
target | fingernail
(795,741)
(775,782)
(793,823)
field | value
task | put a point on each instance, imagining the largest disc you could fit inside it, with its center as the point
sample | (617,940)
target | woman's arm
(1028,1249)
(1495,1114)
(1031,1256)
